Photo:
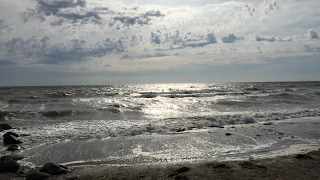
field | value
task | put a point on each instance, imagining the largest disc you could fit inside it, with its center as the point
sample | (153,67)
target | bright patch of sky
(53,42)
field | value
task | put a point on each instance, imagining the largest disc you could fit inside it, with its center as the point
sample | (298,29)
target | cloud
(271,38)
(313,34)
(201,41)
(141,19)
(177,40)
(144,56)
(42,51)
(272,5)
(231,38)
(88,16)
(156,37)
(53,7)
(311,48)
(65,11)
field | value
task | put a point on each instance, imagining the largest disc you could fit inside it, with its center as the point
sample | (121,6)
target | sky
(99,42)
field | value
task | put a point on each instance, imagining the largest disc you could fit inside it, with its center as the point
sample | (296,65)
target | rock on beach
(54,169)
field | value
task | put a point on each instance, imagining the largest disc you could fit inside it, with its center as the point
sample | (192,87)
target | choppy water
(48,115)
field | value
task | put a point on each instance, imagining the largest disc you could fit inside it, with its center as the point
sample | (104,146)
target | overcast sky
(61,42)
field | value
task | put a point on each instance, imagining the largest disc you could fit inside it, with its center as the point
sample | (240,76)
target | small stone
(228,134)
(267,123)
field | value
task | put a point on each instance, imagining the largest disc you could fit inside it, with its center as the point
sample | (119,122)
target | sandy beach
(297,166)
(300,166)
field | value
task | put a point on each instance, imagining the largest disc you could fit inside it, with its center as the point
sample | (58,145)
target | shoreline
(294,166)
(301,166)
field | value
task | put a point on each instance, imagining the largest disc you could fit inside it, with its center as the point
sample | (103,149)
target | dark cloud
(43,52)
(53,7)
(60,10)
(231,38)
(313,34)
(84,17)
(144,56)
(271,38)
(311,48)
(142,19)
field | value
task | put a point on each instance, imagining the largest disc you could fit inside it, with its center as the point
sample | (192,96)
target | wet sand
(297,166)
(285,167)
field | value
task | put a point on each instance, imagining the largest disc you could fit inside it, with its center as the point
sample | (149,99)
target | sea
(159,123)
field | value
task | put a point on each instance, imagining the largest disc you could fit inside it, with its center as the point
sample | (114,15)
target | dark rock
(228,134)
(37,176)
(5,126)
(267,123)
(11,140)
(251,165)
(54,169)
(10,133)
(183,169)
(220,166)
(13,147)
(12,157)
(180,170)
(9,166)
(303,156)
(181,129)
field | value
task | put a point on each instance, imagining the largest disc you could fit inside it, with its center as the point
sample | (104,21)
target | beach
(297,166)
(288,158)
(283,167)
(165,131)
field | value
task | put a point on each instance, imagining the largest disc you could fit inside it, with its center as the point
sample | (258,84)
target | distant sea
(51,115)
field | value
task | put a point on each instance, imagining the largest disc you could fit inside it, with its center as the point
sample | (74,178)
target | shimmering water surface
(79,117)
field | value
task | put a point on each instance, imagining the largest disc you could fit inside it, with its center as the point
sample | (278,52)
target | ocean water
(128,124)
